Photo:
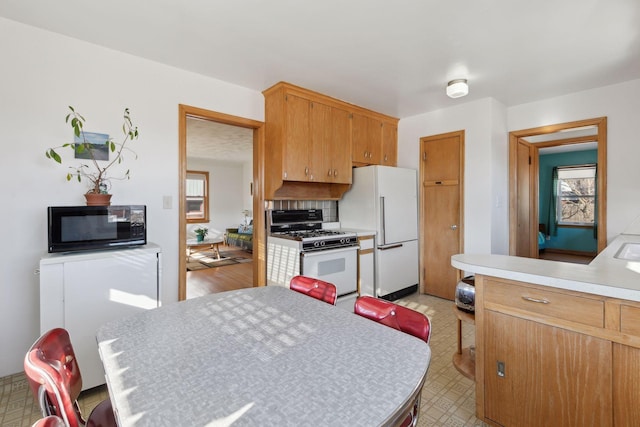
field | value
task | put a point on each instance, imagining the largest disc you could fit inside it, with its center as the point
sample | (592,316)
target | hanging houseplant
(96,170)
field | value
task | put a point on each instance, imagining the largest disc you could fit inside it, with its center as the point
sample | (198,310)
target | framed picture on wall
(98,143)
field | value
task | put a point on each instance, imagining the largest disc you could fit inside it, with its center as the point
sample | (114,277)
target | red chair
(316,288)
(396,316)
(54,377)
(50,421)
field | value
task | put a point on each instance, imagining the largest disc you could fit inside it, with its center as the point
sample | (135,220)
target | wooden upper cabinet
(309,138)
(331,138)
(297,155)
(389,151)
(366,139)
(374,139)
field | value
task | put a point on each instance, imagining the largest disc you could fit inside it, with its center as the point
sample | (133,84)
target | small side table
(464,359)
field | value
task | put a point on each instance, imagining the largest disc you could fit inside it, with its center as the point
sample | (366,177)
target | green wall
(568,238)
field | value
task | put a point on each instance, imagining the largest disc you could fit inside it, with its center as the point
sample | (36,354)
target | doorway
(441,211)
(525,147)
(258,255)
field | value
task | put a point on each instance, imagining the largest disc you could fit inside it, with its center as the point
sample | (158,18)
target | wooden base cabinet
(626,394)
(538,375)
(548,356)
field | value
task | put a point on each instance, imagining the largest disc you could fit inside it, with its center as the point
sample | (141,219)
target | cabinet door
(389,151)
(296,165)
(338,148)
(319,158)
(538,375)
(626,387)
(366,139)
(103,289)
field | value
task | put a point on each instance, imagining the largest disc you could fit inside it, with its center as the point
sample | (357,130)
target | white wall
(487,124)
(621,105)
(482,122)
(227,193)
(41,74)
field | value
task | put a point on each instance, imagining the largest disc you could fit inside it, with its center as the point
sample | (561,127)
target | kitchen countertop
(605,275)
(360,232)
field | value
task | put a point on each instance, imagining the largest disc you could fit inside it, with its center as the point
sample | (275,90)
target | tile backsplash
(329,207)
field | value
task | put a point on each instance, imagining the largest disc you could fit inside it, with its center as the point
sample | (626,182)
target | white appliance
(81,291)
(385,199)
(297,244)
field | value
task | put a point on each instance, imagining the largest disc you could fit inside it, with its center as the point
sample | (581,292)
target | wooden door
(537,375)
(441,211)
(296,165)
(525,201)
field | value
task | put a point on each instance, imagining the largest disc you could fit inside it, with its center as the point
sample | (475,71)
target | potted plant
(95,171)
(201,233)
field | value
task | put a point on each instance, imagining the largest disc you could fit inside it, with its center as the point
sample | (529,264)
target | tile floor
(448,398)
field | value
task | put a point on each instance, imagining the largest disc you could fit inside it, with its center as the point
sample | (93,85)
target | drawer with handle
(565,305)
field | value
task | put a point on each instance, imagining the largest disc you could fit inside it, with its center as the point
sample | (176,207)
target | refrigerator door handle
(384,248)
(382,236)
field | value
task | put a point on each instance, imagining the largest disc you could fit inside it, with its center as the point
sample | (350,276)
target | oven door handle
(328,251)
(384,248)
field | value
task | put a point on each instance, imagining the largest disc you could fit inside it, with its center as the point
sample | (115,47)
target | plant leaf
(53,155)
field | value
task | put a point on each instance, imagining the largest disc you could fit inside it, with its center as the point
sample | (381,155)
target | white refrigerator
(385,199)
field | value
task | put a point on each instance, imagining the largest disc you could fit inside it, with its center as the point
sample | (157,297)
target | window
(197,192)
(576,195)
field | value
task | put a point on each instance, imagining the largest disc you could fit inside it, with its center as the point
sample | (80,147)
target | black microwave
(79,228)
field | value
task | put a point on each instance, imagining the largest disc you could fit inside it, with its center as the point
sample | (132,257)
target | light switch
(167,202)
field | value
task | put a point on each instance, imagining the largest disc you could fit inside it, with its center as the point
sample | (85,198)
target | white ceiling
(390,56)
(218,141)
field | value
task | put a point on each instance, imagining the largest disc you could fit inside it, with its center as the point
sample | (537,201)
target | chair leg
(102,415)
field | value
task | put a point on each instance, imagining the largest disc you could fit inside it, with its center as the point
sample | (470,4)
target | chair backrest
(316,288)
(396,316)
(54,376)
(50,421)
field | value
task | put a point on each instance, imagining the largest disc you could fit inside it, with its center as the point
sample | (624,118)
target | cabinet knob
(306,171)
(329,173)
(335,172)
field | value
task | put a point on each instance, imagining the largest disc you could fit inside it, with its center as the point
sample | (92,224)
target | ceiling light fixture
(457,88)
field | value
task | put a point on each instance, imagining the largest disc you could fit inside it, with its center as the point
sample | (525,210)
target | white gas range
(297,244)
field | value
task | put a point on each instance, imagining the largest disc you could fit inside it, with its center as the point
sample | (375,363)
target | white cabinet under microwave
(83,290)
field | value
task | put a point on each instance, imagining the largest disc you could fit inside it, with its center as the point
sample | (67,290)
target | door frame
(514,200)
(422,219)
(259,234)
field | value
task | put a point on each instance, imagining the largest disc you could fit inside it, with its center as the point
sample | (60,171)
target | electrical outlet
(167,202)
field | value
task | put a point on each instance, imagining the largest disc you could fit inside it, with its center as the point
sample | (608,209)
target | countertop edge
(605,276)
